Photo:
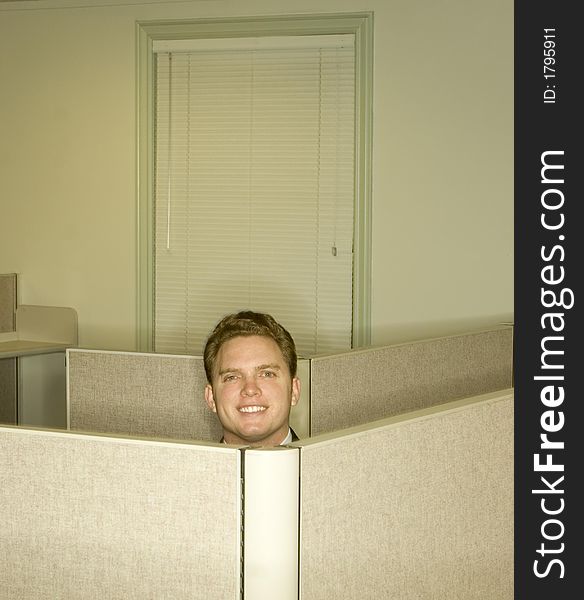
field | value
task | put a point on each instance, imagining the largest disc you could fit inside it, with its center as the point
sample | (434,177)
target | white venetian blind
(254,188)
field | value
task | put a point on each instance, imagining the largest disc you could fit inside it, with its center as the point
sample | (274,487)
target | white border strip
(132,353)
(271,513)
(187,445)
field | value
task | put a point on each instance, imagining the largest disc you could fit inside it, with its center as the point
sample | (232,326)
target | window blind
(254,190)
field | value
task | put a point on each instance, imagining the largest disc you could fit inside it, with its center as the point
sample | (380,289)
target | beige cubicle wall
(158,395)
(148,394)
(412,507)
(363,385)
(8,388)
(130,393)
(88,517)
(8,371)
(8,302)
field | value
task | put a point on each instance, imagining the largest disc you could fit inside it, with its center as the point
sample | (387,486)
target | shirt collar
(287,439)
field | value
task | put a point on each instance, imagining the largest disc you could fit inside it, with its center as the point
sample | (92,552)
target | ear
(209,399)
(295,391)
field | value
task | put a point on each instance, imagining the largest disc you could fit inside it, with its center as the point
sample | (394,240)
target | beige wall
(442,236)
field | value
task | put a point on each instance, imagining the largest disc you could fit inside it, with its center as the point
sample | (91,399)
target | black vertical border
(541,127)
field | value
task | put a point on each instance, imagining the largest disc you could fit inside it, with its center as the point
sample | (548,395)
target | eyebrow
(273,366)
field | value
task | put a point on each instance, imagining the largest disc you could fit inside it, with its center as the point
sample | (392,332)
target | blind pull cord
(169,157)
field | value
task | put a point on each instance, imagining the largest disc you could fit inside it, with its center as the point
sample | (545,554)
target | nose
(250,387)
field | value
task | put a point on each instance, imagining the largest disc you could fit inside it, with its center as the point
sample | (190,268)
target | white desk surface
(40,330)
(15,348)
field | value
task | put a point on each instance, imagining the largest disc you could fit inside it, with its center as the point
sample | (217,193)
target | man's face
(252,391)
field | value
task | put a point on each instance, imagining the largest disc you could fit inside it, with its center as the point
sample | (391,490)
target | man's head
(250,362)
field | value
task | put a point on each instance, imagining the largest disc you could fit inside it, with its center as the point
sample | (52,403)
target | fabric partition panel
(300,414)
(98,517)
(416,506)
(8,302)
(8,381)
(365,385)
(151,395)
(8,391)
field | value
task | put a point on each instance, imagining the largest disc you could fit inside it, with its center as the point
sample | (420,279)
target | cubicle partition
(149,394)
(414,506)
(8,390)
(364,385)
(87,517)
(8,302)
(418,504)
(410,507)
(158,395)
(8,372)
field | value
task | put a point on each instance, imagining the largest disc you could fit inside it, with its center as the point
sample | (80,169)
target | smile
(252,409)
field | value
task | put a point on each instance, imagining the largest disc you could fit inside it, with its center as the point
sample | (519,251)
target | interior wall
(442,210)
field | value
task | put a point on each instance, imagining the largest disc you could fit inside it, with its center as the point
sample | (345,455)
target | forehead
(249,352)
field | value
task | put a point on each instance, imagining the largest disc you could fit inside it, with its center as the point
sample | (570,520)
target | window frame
(359,24)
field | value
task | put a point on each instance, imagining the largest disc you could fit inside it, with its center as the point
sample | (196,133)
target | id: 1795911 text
(549,65)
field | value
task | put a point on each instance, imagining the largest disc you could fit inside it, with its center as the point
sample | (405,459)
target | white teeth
(252,409)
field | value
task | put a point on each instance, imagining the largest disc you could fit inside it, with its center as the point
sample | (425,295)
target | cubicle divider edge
(271,523)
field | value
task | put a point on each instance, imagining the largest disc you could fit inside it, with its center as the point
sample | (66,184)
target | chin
(255,437)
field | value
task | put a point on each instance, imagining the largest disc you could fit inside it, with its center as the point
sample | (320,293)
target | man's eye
(229,378)
(269,374)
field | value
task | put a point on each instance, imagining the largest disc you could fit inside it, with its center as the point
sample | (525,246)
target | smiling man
(250,362)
